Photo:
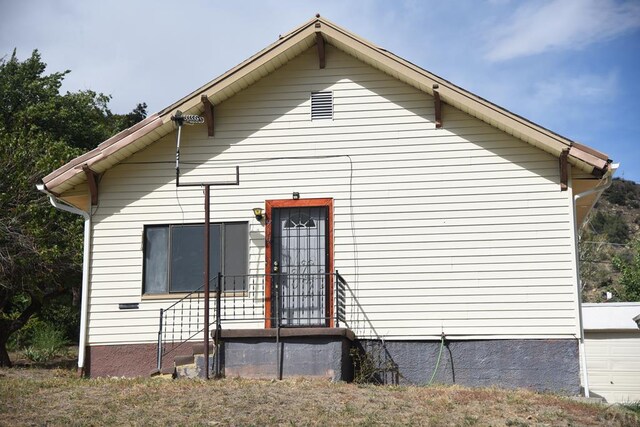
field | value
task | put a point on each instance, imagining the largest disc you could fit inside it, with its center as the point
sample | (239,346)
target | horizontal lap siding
(461,229)
(613,364)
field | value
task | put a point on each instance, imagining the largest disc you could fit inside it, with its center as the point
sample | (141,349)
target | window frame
(168,293)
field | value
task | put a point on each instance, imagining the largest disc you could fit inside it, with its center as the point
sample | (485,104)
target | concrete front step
(195,369)
(269,353)
(199,348)
(187,371)
(183,360)
(192,366)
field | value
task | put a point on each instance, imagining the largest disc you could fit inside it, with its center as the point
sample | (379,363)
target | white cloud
(577,89)
(561,25)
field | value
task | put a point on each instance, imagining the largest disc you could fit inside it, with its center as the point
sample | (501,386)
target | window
(173,258)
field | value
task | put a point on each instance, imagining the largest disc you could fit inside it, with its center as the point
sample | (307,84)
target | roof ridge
(275,54)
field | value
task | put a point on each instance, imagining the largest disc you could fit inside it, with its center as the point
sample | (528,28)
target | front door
(299,262)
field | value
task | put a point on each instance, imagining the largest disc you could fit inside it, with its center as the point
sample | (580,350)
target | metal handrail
(197,291)
(161,350)
(246,305)
(341,299)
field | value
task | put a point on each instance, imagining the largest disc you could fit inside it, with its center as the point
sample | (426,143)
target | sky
(572,66)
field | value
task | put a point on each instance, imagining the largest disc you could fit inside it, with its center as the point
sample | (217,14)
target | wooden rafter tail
(564,170)
(208,114)
(321,50)
(92,181)
(438,106)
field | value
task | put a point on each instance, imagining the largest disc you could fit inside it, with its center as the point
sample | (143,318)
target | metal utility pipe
(159,351)
(84,304)
(180,119)
(178,153)
(279,346)
(581,347)
(207,266)
(218,343)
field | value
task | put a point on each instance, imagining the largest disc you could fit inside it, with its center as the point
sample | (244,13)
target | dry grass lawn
(36,396)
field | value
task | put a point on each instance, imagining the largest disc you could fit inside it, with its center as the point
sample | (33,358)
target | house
(612,340)
(394,211)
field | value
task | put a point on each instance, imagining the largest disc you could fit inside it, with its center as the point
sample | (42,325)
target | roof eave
(61,176)
(266,61)
(581,156)
(71,174)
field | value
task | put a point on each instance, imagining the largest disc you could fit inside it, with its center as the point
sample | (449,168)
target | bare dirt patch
(36,396)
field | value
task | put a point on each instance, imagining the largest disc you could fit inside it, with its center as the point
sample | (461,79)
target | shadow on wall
(271,120)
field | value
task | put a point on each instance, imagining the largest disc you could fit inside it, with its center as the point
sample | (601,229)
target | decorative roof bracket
(208,114)
(564,170)
(320,44)
(438,106)
(92,181)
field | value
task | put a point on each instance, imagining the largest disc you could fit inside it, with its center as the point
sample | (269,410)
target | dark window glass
(173,258)
(236,252)
(156,257)
(187,263)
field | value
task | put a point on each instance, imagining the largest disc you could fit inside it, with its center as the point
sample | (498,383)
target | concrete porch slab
(309,352)
(286,332)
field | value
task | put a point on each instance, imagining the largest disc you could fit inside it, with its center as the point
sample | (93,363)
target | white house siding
(461,230)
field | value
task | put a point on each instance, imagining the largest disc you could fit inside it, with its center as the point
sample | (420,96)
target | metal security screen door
(300,265)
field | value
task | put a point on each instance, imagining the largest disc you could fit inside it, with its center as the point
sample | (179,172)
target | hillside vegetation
(610,245)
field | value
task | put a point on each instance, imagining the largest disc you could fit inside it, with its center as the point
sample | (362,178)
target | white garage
(612,344)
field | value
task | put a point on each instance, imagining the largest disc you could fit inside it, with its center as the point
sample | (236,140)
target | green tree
(630,274)
(40,130)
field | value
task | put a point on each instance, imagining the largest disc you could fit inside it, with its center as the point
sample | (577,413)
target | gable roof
(154,127)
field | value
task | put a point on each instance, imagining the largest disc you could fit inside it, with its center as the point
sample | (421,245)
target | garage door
(613,364)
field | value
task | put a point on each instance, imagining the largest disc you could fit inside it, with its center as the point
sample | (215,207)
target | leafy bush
(630,277)
(63,313)
(372,365)
(632,406)
(48,341)
(24,337)
(613,226)
(60,311)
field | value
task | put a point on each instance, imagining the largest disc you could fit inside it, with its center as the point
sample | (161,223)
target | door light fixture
(258,213)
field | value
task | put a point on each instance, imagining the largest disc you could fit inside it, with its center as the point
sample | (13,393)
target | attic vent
(321,105)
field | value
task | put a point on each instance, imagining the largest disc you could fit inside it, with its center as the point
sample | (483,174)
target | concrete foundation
(309,352)
(541,365)
(130,360)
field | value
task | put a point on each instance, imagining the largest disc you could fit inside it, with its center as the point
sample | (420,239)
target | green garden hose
(435,370)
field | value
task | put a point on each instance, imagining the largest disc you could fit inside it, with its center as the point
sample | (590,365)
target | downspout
(58,204)
(581,348)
